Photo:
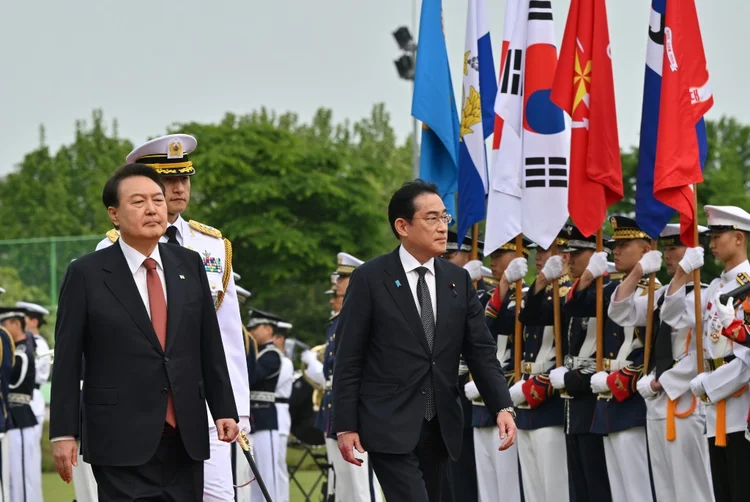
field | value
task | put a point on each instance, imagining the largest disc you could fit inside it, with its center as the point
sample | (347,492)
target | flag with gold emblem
(584,88)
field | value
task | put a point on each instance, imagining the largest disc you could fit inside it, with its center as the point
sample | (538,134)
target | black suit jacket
(101,316)
(383,362)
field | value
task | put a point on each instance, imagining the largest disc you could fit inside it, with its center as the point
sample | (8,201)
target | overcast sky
(150,63)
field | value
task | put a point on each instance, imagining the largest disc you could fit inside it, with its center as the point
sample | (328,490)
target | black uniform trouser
(729,468)
(587,468)
(460,480)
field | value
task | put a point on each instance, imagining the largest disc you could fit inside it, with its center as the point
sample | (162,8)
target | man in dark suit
(406,319)
(149,369)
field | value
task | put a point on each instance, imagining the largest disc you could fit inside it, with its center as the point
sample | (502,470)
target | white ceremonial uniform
(5,467)
(283,391)
(680,466)
(729,381)
(216,254)
(43,370)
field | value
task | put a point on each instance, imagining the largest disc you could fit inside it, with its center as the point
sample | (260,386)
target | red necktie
(158,306)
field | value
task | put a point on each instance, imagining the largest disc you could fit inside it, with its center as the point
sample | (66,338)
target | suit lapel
(122,285)
(445,299)
(175,292)
(403,298)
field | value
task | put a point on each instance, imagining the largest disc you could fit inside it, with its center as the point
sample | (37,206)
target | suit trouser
(266,445)
(171,475)
(217,470)
(415,476)
(84,482)
(4,467)
(729,468)
(627,465)
(681,467)
(497,472)
(25,474)
(587,468)
(460,483)
(543,464)
(349,482)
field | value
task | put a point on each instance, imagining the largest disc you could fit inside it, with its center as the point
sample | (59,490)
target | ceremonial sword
(242,441)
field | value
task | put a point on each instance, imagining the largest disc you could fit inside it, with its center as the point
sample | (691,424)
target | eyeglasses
(433,220)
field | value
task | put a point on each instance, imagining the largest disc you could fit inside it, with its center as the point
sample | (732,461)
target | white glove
(696,385)
(309,357)
(474,267)
(599,382)
(471,391)
(553,268)
(516,394)
(557,377)
(651,262)
(516,270)
(725,312)
(644,387)
(597,264)
(693,259)
(245,425)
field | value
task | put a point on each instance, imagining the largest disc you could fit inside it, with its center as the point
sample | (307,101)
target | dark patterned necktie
(428,324)
(171,234)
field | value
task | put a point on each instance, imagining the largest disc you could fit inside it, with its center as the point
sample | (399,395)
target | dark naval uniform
(25,475)
(325,414)
(7,355)
(540,420)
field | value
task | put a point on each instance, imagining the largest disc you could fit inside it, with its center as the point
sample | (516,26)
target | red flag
(685,97)
(585,89)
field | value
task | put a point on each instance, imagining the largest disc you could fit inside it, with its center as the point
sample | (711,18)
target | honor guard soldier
(283,393)
(587,466)
(541,414)
(620,414)
(7,357)
(460,480)
(263,401)
(25,474)
(723,383)
(168,156)
(675,418)
(35,319)
(498,473)
(350,483)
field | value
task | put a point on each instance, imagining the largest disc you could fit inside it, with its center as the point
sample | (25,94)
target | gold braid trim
(249,339)
(227,271)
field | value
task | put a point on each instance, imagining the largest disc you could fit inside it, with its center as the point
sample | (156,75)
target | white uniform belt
(574,363)
(266,397)
(17,398)
(615,365)
(529,368)
(329,384)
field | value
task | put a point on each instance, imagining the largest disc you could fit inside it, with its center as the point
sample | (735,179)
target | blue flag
(435,105)
(477,118)
(650,214)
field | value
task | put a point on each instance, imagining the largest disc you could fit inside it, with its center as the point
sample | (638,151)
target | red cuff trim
(622,384)
(736,331)
(536,392)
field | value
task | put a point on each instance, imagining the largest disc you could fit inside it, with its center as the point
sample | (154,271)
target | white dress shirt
(411,265)
(135,261)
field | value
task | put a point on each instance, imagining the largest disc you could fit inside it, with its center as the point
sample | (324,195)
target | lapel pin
(398,283)
(182,277)
(453,288)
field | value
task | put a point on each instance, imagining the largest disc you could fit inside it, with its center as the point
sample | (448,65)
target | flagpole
(518,328)
(474,245)
(649,315)
(697,290)
(599,308)
(556,313)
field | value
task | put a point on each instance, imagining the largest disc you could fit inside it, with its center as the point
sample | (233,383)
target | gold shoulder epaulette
(205,229)
(643,282)
(617,276)
(113,235)
(743,278)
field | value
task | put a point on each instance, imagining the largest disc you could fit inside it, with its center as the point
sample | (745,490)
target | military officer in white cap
(675,419)
(723,385)
(168,156)
(34,320)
